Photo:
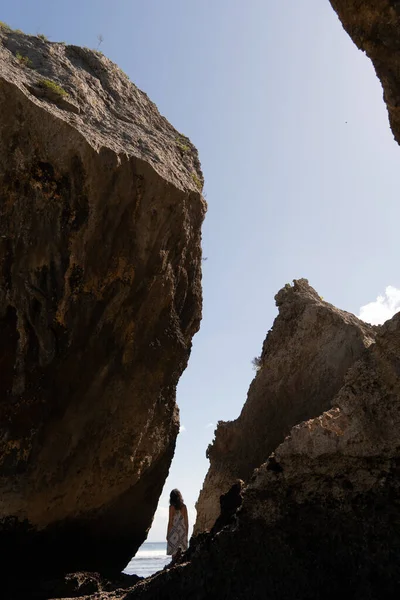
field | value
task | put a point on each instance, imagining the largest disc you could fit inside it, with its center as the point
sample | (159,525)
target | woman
(178,525)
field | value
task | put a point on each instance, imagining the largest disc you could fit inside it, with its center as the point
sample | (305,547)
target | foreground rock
(374,27)
(302,366)
(72,585)
(322,516)
(100,295)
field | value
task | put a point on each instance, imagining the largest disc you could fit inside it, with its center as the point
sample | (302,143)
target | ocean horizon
(150,558)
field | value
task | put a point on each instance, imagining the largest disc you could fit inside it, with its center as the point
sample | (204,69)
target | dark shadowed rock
(229,504)
(302,366)
(326,523)
(72,585)
(374,26)
(100,295)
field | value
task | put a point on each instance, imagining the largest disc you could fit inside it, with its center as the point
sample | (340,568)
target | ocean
(151,557)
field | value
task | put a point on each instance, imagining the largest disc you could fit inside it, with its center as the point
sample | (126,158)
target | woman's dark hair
(175,499)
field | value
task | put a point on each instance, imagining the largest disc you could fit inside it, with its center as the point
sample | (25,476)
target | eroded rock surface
(100,295)
(303,363)
(321,518)
(374,27)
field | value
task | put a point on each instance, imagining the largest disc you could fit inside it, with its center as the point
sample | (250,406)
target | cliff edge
(373,26)
(302,366)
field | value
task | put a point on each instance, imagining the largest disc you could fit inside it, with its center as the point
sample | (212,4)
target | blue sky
(299,162)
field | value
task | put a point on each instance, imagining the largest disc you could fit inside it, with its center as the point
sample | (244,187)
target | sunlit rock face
(302,366)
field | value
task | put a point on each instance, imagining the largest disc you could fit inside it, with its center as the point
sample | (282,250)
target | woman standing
(178,524)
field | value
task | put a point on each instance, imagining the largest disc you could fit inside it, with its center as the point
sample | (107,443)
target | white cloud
(209,425)
(383,308)
(182,428)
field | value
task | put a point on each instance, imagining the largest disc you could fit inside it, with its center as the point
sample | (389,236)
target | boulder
(302,366)
(100,296)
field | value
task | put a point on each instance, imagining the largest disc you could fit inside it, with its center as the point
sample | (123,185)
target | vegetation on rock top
(52,86)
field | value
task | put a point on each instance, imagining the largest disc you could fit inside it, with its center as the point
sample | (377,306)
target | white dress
(177,537)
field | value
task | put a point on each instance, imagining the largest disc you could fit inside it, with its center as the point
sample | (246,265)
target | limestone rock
(321,518)
(100,295)
(374,27)
(302,366)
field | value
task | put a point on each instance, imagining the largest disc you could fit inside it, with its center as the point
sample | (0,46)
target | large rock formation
(302,366)
(100,295)
(374,27)
(322,516)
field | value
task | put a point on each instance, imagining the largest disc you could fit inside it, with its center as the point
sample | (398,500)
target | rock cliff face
(302,366)
(322,515)
(321,518)
(100,295)
(374,27)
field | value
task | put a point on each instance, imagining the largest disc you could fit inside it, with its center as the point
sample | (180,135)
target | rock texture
(374,27)
(72,585)
(302,366)
(321,518)
(100,295)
